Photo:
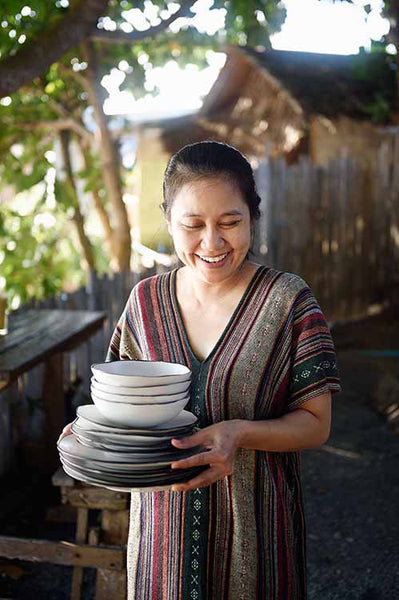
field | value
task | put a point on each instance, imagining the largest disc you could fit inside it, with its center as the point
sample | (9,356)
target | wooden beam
(94,498)
(63,553)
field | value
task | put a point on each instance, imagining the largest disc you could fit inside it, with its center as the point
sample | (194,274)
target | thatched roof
(266,97)
(331,85)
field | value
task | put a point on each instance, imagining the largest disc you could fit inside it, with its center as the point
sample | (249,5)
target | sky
(310,26)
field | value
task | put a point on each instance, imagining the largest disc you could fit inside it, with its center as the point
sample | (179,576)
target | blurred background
(95,96)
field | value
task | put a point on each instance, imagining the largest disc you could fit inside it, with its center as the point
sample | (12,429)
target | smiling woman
(210,226)
(263,371)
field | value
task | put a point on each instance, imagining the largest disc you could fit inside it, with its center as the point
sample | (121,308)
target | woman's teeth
(214,259)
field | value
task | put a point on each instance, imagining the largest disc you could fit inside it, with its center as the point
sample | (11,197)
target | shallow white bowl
(139,415)
(140,373)
(153,390)
(137,399)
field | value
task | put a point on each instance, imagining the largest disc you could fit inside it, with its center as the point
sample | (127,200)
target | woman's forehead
(195,198)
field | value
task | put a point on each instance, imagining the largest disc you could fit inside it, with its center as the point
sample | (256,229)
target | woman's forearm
(297,430)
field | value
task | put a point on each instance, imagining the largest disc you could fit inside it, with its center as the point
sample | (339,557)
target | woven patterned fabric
(242,538)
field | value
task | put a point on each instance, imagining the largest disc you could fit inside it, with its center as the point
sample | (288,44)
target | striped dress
(242,538)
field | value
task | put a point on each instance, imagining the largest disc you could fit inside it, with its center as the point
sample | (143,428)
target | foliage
(28,21)
(37,260)
(36,252)
(376,70)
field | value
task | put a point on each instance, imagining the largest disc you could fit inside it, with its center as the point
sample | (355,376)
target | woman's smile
(214,261)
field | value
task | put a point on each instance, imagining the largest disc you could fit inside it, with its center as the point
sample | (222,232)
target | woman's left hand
(221,439)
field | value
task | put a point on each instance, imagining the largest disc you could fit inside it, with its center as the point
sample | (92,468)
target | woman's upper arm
(320,407)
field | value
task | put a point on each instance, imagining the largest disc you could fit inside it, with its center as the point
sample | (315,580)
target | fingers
(203,480)
(203,458)
(66,431)
(188,442)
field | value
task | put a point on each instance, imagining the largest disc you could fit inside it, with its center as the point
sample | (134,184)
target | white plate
(89,480)
(106,445)
(156,390)
(96,432)
(140,373)
(91,413)
(139,415)
(121,477)
(71,447)
(111,467)
(137,400)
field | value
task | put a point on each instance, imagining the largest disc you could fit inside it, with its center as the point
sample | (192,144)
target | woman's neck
(205,293)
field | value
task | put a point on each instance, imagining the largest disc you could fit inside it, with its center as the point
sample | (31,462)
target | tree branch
(117,37)
(81,79)
(37,56)
(58,108)
(59,125)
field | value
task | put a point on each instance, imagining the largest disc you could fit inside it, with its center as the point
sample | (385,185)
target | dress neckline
(176,307)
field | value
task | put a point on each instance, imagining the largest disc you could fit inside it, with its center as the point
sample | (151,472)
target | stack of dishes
(123,441)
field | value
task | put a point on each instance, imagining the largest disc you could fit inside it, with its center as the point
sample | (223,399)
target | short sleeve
(314,369)
(125,342)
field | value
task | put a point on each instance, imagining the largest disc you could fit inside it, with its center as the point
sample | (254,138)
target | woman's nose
(212,239)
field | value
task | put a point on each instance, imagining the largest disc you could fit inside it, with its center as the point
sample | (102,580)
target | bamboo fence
(337,227)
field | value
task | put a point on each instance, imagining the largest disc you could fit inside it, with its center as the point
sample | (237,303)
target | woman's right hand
(64,432)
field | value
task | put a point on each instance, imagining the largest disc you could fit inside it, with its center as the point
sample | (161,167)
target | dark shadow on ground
(351,489)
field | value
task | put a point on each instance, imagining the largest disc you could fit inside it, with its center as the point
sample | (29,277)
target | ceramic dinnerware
(184,419)
(140,373)
(70,445)
(139,415)
(155,390)
(130,399)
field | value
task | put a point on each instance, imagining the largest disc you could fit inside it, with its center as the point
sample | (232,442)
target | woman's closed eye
(191,226)
(198,226)
(231,224)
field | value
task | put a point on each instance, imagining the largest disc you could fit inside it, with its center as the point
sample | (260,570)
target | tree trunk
(100,208)
(77,217)
(110,162)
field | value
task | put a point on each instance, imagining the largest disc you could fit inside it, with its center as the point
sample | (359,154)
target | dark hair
(210,160)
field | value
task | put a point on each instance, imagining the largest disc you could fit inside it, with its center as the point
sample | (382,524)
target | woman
(263,367)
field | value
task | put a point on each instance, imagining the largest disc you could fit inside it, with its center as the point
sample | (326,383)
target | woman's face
(211,228)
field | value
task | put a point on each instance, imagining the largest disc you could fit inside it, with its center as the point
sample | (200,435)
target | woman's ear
(169,226)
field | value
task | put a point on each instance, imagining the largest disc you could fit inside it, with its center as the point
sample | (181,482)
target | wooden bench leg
(81,535)
(110,584)
(114,529)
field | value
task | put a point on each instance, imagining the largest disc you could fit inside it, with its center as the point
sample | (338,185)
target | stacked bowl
(123,440)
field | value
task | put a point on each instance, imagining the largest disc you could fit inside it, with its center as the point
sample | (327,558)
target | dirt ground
(351,490)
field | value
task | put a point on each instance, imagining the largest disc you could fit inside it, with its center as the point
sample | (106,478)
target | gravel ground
(351,489)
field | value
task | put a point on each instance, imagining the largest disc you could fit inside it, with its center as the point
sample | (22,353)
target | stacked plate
(123,441)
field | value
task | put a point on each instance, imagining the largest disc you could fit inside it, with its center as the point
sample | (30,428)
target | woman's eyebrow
(230,213)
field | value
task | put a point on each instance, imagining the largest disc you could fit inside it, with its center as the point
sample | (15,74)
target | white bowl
(137,399)
(135,373)
(139,415)
(153,390)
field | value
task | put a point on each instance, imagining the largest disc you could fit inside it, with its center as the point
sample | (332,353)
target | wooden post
(81,535)
(53,398)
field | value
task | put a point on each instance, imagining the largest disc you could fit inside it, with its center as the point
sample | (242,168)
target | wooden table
(42,336)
